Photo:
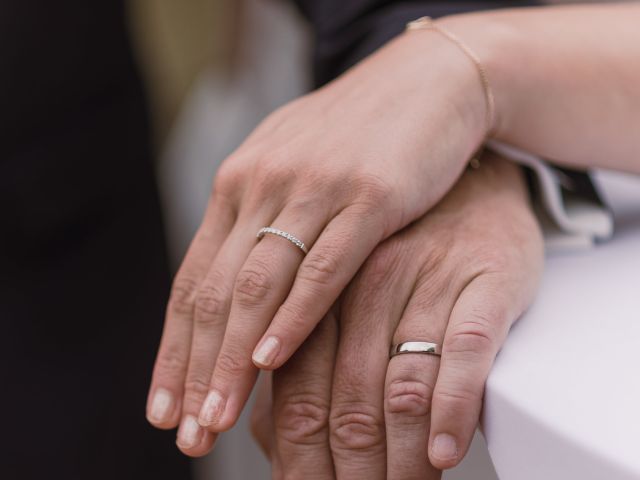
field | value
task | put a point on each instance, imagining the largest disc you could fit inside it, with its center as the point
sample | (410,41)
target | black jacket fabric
(83,270)
(346,31)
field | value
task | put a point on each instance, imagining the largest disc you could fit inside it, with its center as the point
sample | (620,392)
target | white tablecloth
(563,401)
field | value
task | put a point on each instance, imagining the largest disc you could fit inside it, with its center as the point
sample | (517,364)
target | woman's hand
(341,169)
(458,277)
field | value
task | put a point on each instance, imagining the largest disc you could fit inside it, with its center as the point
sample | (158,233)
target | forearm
(566,79)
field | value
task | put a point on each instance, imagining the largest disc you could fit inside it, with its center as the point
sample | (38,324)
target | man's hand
(459,277)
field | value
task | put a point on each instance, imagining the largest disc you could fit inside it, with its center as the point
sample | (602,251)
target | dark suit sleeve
(346,31)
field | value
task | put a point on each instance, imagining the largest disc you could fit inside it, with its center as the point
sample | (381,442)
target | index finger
(478,325)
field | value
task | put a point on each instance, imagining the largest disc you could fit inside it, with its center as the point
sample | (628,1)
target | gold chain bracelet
(427,23)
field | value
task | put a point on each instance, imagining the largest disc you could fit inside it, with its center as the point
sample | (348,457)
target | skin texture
(565,79)
(379,176)
(346,167)
(459,276)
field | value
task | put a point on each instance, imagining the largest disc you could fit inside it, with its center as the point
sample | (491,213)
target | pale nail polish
(444,447)
(160,406)
(212,409)
(189,433)
(266,353)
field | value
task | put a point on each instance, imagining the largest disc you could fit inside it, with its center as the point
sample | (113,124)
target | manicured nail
(189,433)
(266,353)
(444,447)
(212,409)
(160,406)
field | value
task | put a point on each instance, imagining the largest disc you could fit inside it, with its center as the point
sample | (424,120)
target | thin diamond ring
(274,231)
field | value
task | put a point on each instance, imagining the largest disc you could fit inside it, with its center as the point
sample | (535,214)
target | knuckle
(302,419)
(409,398)
(274,172)
(458,398)
(372,190)
(353,428)
(292,318)
(196,387)
(474,336)
(182,297)
(300,207)
(306,203)
(230,363)
(172,363)
(491,258)
(228,178)
(253,284)
(320,267)
(212,304)
(498,259)
(318,182)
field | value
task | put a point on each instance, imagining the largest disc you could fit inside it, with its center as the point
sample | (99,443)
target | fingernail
(212,409)
(160,406)
(266,353)
(444,447)
(189,433)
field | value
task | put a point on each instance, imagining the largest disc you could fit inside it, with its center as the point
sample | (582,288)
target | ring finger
(409,386)
(259,286)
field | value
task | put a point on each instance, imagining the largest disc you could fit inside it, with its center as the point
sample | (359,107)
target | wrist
(496,42)
(446,76)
